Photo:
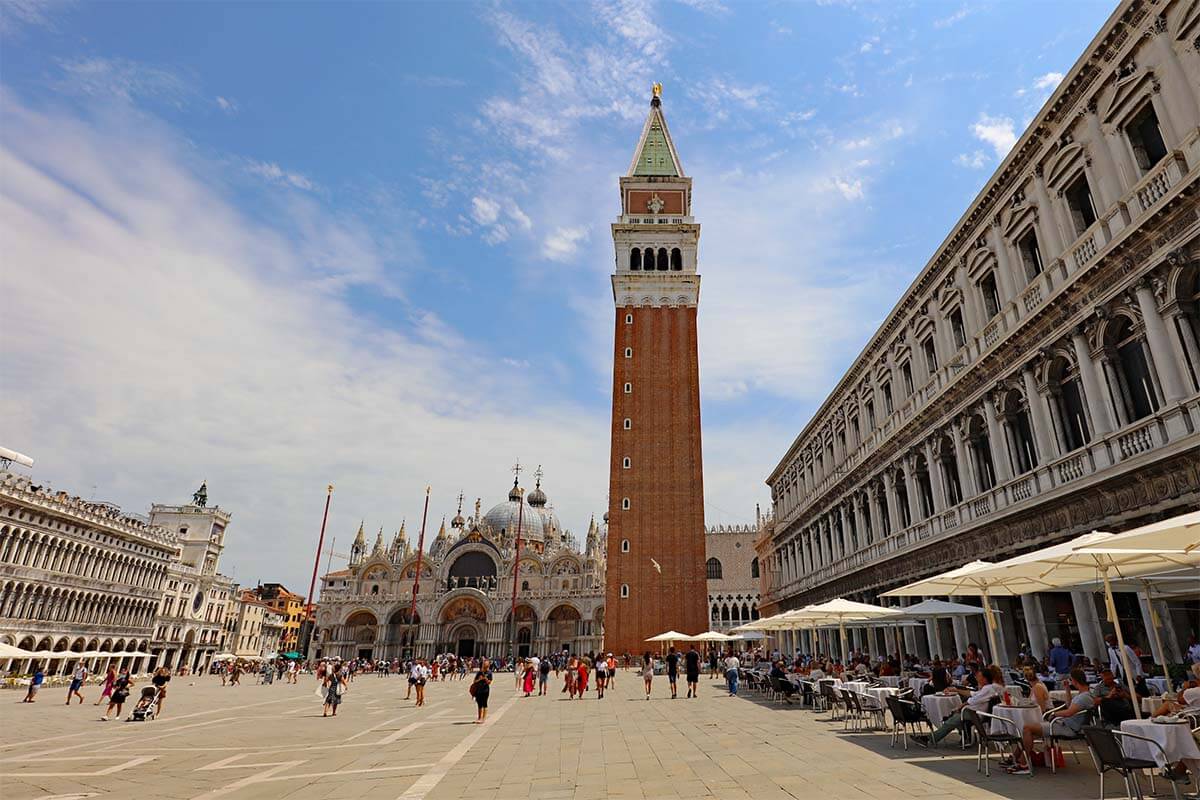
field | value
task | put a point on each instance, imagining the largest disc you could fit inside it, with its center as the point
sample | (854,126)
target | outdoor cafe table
(1021,715)
(939,706)
(1157,685)
(917,684)
(854,686)
(1176,740)
(880,694)
(892,681)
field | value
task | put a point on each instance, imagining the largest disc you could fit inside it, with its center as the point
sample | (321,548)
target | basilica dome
(502,519)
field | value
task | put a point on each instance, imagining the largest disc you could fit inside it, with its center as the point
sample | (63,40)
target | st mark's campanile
(655,572)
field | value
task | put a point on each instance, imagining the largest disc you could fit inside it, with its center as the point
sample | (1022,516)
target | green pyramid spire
(655,156)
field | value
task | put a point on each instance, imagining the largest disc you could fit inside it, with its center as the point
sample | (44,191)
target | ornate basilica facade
(464,595)
(1041,376)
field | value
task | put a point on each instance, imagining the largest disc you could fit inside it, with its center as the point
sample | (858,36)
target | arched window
(949,466)
(713,568)
(716,612)
(1070,414)
(626,463)
(1021,448)
(628,424)
(662,259)
(624,503)
(724,613)
(629,352)
(676,259)
(754,567)
(624,545)
(624,590)
(635,259)
(1129,369)
(524,586)
(981,452)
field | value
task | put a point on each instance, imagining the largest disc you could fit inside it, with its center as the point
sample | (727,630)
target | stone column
(1006,277)
(1035,624)
(996,441)
(1107,174)
(864,537)
(1088,623)
(1160,345)
(966,469)
(1148,625)
(1042,429)
(893,505)
(1051,238)
(1093,390)
(1178,86)
(961,637)
(910,487)
(1189,348)
(873,498)
(934,635)
(935,478)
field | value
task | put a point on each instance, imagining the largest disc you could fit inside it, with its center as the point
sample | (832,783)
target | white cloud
(518,216)
(849,188)
(123,78)
(484,210)
(1050,81)
(974,160)
(273,173)
(564,243)
(227,105)
(197,342)
(952,19)
(713,7)
(31,13)
(721,98)
(780,29)
(998,132)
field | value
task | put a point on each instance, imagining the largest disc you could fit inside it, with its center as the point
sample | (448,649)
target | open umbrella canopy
(933,609)
(9,651)
(669,636)
(842,609)
(1176,539)
(223,656)
(712,636)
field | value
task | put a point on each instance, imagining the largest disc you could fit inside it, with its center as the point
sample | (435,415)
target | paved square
(271,742)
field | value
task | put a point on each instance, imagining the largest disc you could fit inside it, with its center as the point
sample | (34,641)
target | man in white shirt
(732,664)
(1114,659)
(991,687)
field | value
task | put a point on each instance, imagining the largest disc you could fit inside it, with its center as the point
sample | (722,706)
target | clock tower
(655,571)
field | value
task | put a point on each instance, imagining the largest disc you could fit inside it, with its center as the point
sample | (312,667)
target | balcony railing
(1158,181)
(1096,457)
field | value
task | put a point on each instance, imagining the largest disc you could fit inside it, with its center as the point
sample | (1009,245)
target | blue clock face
(197,602)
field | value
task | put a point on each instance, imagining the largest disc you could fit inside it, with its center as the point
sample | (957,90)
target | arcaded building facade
(656,556)
(732,574)
(1040,378)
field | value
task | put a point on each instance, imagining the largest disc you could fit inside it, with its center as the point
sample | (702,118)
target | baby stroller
(146,706)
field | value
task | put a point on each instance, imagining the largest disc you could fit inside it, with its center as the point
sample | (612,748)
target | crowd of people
(115,688)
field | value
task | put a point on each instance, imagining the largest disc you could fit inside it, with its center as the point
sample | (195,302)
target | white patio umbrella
(9,651)
(973,578)
(712,636)
(669,636)
(1180,583)
(841,611)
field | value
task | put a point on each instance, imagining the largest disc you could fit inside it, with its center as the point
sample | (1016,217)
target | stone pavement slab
(253,742)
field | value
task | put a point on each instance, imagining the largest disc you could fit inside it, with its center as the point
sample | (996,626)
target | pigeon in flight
(657,566)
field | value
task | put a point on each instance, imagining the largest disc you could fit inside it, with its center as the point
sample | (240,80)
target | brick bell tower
(655,572)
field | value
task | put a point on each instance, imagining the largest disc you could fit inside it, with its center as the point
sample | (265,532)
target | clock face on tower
(197,604)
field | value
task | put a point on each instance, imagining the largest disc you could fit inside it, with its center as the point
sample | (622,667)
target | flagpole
(412,609)
(312,586)
(516,564)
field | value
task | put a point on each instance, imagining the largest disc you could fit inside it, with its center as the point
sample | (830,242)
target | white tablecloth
(1176,741)
(1018,714)
(939,706)
(879,693)
(890,680)
(854,686)
(1159,685)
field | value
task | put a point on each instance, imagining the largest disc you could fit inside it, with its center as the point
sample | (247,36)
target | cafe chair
(980,723)
(906,715)
(1107,754)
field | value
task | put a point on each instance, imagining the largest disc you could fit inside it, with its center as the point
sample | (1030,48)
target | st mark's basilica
(465,592)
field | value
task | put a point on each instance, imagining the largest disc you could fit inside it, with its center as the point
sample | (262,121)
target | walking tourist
(673,672)
(543,676)
(612,671)
(732,664)
(120,693)
(601,676)
(692,668)
(527,679)
(582,669)
(647,671)
(109,677)
(480,688)
(77,679)
(335,687)
(160,680)
(422,675)
(571,679)
(35,683)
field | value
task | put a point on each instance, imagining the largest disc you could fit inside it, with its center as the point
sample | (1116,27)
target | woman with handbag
(480,688)
(335,685)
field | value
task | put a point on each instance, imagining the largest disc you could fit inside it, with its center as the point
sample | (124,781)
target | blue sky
(278,245)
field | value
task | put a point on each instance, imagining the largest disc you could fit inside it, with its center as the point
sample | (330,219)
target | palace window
(713,569)
(958,329)
(888,403)
(1135,389)
(624,590)
(855,430)
(629,319)
(870,407)
(991,297)
(626,463)
(1079,200)
(662,259)
(931,362)
(754,567)
(628,424)
(624,545)
(676,259)
(906,374)
(1145,137)
(1031,254)
(635,259)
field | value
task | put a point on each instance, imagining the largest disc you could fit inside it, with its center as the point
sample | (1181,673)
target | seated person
(939,681)
(1037,690)
(1074,716)
(1188,697)
(991,683)
(781,677)
(1114,701)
